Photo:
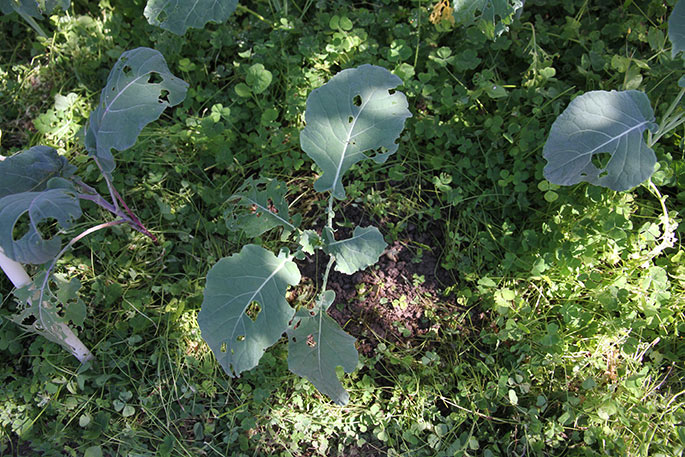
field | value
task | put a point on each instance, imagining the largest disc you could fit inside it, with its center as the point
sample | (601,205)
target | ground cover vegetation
(506,313)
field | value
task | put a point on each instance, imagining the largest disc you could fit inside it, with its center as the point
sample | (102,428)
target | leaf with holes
(244,309)
(356,253)
(317,345)
(24,7)
(32,8)
(597,124)
(676,28)
(139,88)
(492,16)
(355,112)
(178,16)
(30,170)
(57,311)
(58,202)
(263,208)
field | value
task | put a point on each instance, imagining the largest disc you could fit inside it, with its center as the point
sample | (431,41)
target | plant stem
(331,259)
(19,278)
(668,123)
(255,14)
(129,217)
(668,237)
(32,23)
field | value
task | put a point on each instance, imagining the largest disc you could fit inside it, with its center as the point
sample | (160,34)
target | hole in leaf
(294,340)
(391,91)
(163,97)
(310,341)
(350,119)
(154,78)
(252,311)
(240,338)
(312,313)
(601,160)
(223,347)
(48,228)
(28,320)
(21,227)
(270,205)
(126,70)
(603,174)
(296,325)
(162,16)
(357,100)
(583,175)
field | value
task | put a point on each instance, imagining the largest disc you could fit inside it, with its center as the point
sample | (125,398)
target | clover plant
(39,187)
(357,115)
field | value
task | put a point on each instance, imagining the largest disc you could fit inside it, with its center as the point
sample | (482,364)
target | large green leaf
(179,15)
(251,282)
(26,7)
(139,88)
(30,170)
(492,16)
(57,202)
(263,208)
(601,122)
(32,8)
(356,253)
(676,28)
(317,345)
(355,112)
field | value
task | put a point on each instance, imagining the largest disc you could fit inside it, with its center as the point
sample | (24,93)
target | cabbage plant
(38,187)
(176,16)
(600,137)
(357,115)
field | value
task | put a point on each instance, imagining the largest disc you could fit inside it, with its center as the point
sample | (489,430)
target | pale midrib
(602,145)
(347,140)
(121,92)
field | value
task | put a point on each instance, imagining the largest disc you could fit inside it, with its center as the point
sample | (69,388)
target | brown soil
(389,300)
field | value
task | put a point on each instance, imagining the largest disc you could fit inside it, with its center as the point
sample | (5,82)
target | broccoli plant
(172,15)
(357,115)
(599,138)
(40,191)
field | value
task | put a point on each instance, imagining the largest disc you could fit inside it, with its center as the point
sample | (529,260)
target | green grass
(558,334)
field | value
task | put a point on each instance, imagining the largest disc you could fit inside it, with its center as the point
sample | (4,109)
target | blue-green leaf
(356,253)
(317,345)
(676,28)
(32,8)
(597,123)
(30,170)
(139,88)
(492,16)
(244,309)
(58,203)
(263,208)
(179,15)
(357,111)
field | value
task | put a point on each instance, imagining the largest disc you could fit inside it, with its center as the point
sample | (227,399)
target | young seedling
(38,186)
(357,115)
